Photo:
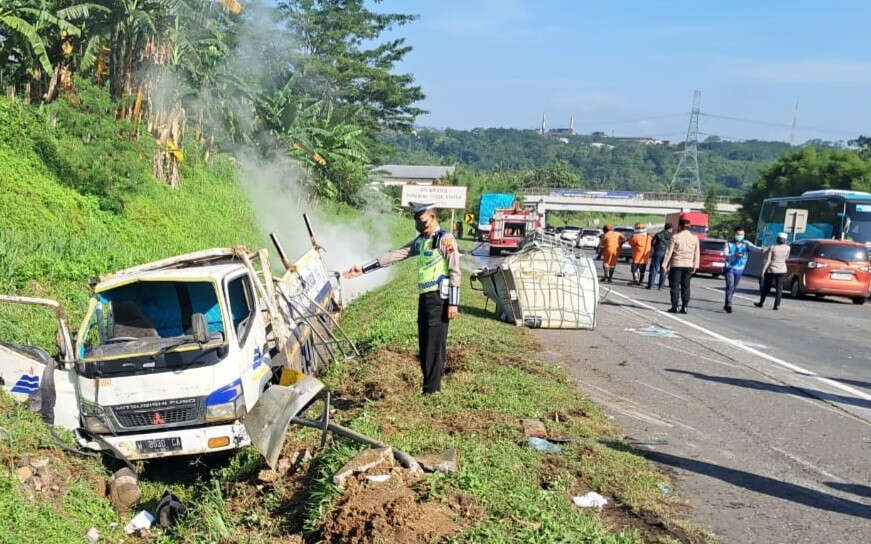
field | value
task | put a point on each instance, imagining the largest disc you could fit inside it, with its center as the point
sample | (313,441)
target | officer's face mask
(420,224)
(739,237)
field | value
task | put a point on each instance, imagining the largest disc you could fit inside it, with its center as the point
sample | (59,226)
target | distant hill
(606,163)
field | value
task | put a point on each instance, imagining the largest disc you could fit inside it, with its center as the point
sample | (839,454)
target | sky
(630,68)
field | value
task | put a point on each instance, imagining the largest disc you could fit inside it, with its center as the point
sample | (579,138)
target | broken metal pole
(404,459)
(311,233)
(281,254)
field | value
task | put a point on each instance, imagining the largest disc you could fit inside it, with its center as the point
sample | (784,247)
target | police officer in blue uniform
(438,285)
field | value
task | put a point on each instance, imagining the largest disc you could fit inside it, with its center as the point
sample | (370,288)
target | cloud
(838,72)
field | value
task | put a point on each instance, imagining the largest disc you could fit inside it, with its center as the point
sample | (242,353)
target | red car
(829,267)
(711,259)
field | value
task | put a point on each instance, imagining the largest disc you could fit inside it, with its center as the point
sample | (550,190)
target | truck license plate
(842,276)
(718,265)
(170,443)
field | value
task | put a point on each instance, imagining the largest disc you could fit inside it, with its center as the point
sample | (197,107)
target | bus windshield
(824,218)
(858,223)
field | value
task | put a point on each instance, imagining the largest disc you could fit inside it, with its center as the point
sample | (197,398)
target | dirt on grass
(397,510)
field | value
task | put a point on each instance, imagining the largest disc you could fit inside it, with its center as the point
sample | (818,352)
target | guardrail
(625,195)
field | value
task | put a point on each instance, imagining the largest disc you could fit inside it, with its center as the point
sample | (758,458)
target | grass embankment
(55,235)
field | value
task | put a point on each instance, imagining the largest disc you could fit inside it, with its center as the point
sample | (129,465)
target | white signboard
(452,197)
(795,221)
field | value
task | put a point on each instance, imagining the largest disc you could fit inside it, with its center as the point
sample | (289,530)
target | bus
(831,213)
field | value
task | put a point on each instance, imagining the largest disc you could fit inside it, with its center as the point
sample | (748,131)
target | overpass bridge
(577,200)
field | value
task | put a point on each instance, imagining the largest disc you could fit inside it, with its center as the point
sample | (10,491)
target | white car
(589,238)
(569,233)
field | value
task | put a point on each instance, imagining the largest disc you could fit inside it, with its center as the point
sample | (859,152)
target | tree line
(728,168)
(309,81)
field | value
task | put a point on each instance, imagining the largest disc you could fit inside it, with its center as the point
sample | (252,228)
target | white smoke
(277,187)
(276,190)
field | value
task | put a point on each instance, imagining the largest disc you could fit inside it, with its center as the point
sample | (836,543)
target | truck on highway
(172,355)
(698,222)
(490,202)
(510,227)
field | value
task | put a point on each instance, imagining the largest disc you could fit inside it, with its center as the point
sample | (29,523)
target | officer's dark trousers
(432,335)
(679,283)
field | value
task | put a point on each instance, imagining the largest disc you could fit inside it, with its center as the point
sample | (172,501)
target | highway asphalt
(762,418)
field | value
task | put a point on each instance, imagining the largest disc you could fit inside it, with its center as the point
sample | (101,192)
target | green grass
(54,238)
(25,516)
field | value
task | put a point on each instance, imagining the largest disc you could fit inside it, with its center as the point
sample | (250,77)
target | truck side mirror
(199,328)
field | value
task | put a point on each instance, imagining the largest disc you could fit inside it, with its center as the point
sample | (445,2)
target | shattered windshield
(147,325)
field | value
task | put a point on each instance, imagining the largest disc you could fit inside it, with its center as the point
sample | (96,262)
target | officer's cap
(420,207)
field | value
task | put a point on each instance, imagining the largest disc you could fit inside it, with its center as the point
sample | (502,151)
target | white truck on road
(172,355)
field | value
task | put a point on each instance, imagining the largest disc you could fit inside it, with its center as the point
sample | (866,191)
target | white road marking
(738,344)
(663,391)
(685,352)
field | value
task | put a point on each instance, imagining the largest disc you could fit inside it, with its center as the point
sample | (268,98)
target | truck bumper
(193,441)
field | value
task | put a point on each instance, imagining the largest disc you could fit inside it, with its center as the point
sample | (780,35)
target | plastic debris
(169,510)
(590,500)
(544,445)
(378,478)
(664,488)
(140,522)
(654,331)
(92,536)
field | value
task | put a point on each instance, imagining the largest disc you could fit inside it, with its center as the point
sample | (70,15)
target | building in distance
(409,174)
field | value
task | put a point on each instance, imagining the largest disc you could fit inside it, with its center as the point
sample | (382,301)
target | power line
(779,125)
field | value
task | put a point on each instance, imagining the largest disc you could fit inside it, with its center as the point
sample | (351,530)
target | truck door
(30,374)
(249,332)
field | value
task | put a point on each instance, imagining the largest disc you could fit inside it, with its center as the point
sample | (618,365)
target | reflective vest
(432,266)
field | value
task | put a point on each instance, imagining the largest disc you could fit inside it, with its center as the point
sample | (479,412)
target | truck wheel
(794,289)
(494,252)
(715,276)
(859,300)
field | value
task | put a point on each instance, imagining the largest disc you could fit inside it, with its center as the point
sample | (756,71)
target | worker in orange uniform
(609,249)
(640,242)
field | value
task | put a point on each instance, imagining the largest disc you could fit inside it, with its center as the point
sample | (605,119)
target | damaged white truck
(172,356)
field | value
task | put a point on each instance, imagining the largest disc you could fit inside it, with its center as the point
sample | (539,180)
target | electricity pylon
(687,172)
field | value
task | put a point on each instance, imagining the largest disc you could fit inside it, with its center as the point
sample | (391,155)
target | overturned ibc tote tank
(545,285)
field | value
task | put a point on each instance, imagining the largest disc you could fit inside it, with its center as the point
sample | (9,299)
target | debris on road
(533,427)
(654,331)
(140,522)
(664,488)
(123,489)
(447,461)
(590,500)
(545,285)
(545,446)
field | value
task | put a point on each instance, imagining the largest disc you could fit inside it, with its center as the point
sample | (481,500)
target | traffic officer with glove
(438,285)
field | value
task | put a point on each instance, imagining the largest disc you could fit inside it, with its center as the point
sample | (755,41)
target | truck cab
(698,222)
(171,356)
(151,380)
